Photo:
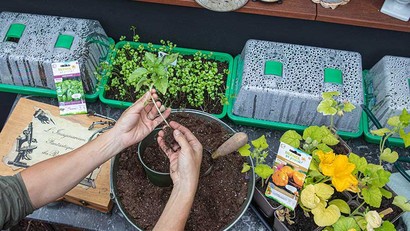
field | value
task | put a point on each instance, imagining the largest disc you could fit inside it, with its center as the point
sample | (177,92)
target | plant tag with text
(69,88)
(290,168)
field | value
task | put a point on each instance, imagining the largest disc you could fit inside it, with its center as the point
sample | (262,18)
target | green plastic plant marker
(273,68)
(15,31)
(64,41)
(333,76)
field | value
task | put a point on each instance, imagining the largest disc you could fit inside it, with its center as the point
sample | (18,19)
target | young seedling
(259,154)
(153,73)
(329,106)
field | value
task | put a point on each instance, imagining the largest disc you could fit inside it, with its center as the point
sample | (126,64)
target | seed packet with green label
(69,87)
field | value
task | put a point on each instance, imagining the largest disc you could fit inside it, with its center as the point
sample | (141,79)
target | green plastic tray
(265,123)
(27,90)
(394,141)
(184,51)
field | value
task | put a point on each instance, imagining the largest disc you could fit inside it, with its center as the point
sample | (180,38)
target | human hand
(139,120)
(185,157)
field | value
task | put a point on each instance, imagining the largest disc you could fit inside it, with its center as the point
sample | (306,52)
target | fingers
(162,144)
(186,137)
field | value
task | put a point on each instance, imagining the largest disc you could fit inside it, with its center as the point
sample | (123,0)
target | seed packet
(290,168)
(69,88)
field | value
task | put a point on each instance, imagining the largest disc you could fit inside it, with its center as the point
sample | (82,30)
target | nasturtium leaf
(330,94)
(360,162)
(372,196)
(394,121)
(260,142)
(291,138)
(323,191)
(326,107)
(402,203)
(342,205)
(324,147)
(326,216)
(345,224)
(361,221)
(150,58)
(309,198)
(328,137)
(263,170)
(405,117)
(386,193)
(379,178)
(389,156)
(405,137)
(386,226)
(246,167)
(313,133)
(348,107)
(244,150)
(380,132)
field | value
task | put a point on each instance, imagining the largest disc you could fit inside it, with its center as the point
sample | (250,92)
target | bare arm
(51,179)
(185,163)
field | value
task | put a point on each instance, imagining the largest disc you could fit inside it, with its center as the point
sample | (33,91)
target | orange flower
(339,169)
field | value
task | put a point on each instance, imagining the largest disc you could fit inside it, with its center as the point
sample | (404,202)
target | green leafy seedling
(259,154)
(329,106)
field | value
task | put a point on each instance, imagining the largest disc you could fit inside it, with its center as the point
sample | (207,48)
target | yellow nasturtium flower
(339,169)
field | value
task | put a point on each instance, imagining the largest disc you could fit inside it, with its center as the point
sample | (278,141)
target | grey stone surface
(293,97)
(28,61)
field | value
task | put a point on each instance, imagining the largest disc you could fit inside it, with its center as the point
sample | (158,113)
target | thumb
(181,139)
(140,103)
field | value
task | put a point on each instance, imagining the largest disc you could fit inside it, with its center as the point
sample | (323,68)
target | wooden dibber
(232,144)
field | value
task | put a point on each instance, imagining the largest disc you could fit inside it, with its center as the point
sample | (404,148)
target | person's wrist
(186,188)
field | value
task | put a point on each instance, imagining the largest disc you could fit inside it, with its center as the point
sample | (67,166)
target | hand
(185,157)
(139,120)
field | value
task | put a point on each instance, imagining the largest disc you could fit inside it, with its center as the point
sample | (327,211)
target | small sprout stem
(159,111)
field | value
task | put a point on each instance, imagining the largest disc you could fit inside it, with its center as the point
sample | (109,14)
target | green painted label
(333,76)
(64,41)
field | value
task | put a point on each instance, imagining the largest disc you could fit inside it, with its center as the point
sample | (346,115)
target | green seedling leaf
(394,121)
(246,167)
(360,162)
(150,58)
(326,216)
(372,196)
(291,138)
(313,132)
(244,150)
(386,193)
(326,107)
(405,117)
(379,178)
(402,203)
(380,132)
(346,223)
(168,59)
(328,137)
(324,147)
(405,137)
(263,171)
(160,70)
(330,94)
(386,226)
(260,143)
(389,156)
(348,107)
(141,82)
(342,205)
(323,191)
(138,73)
(309,198)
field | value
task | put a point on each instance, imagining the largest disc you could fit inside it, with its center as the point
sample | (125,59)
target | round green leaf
(326,216)
(291,138)
(342,205)
(326,107)
(389,156)
(346,223)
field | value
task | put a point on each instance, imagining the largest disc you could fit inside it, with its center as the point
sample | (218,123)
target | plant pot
(266,205)
(161,179)
(140,188)
(214,56)
(281,226)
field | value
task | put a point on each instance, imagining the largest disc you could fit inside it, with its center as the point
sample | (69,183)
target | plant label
(286,182)
(69,87)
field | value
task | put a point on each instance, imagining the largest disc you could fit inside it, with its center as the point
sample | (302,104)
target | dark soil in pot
(302,222)
(220,194)
(211,106)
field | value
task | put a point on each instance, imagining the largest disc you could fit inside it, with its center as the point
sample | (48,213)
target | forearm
(176,211)
(51,179)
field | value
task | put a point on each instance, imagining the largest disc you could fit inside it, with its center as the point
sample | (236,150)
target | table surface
(365,13)
(85,218)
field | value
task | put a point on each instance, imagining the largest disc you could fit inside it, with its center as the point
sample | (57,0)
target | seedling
(329,106)
(259,154)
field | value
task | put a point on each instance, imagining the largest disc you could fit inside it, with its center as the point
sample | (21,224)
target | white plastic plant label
(69,87)
(161,54)
(290,168)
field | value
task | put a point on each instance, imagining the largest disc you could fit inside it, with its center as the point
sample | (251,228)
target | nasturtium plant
(330,106)
(346,224)
(259,154)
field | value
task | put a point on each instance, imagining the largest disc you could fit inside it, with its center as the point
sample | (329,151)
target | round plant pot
(161,179)
(250,176)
